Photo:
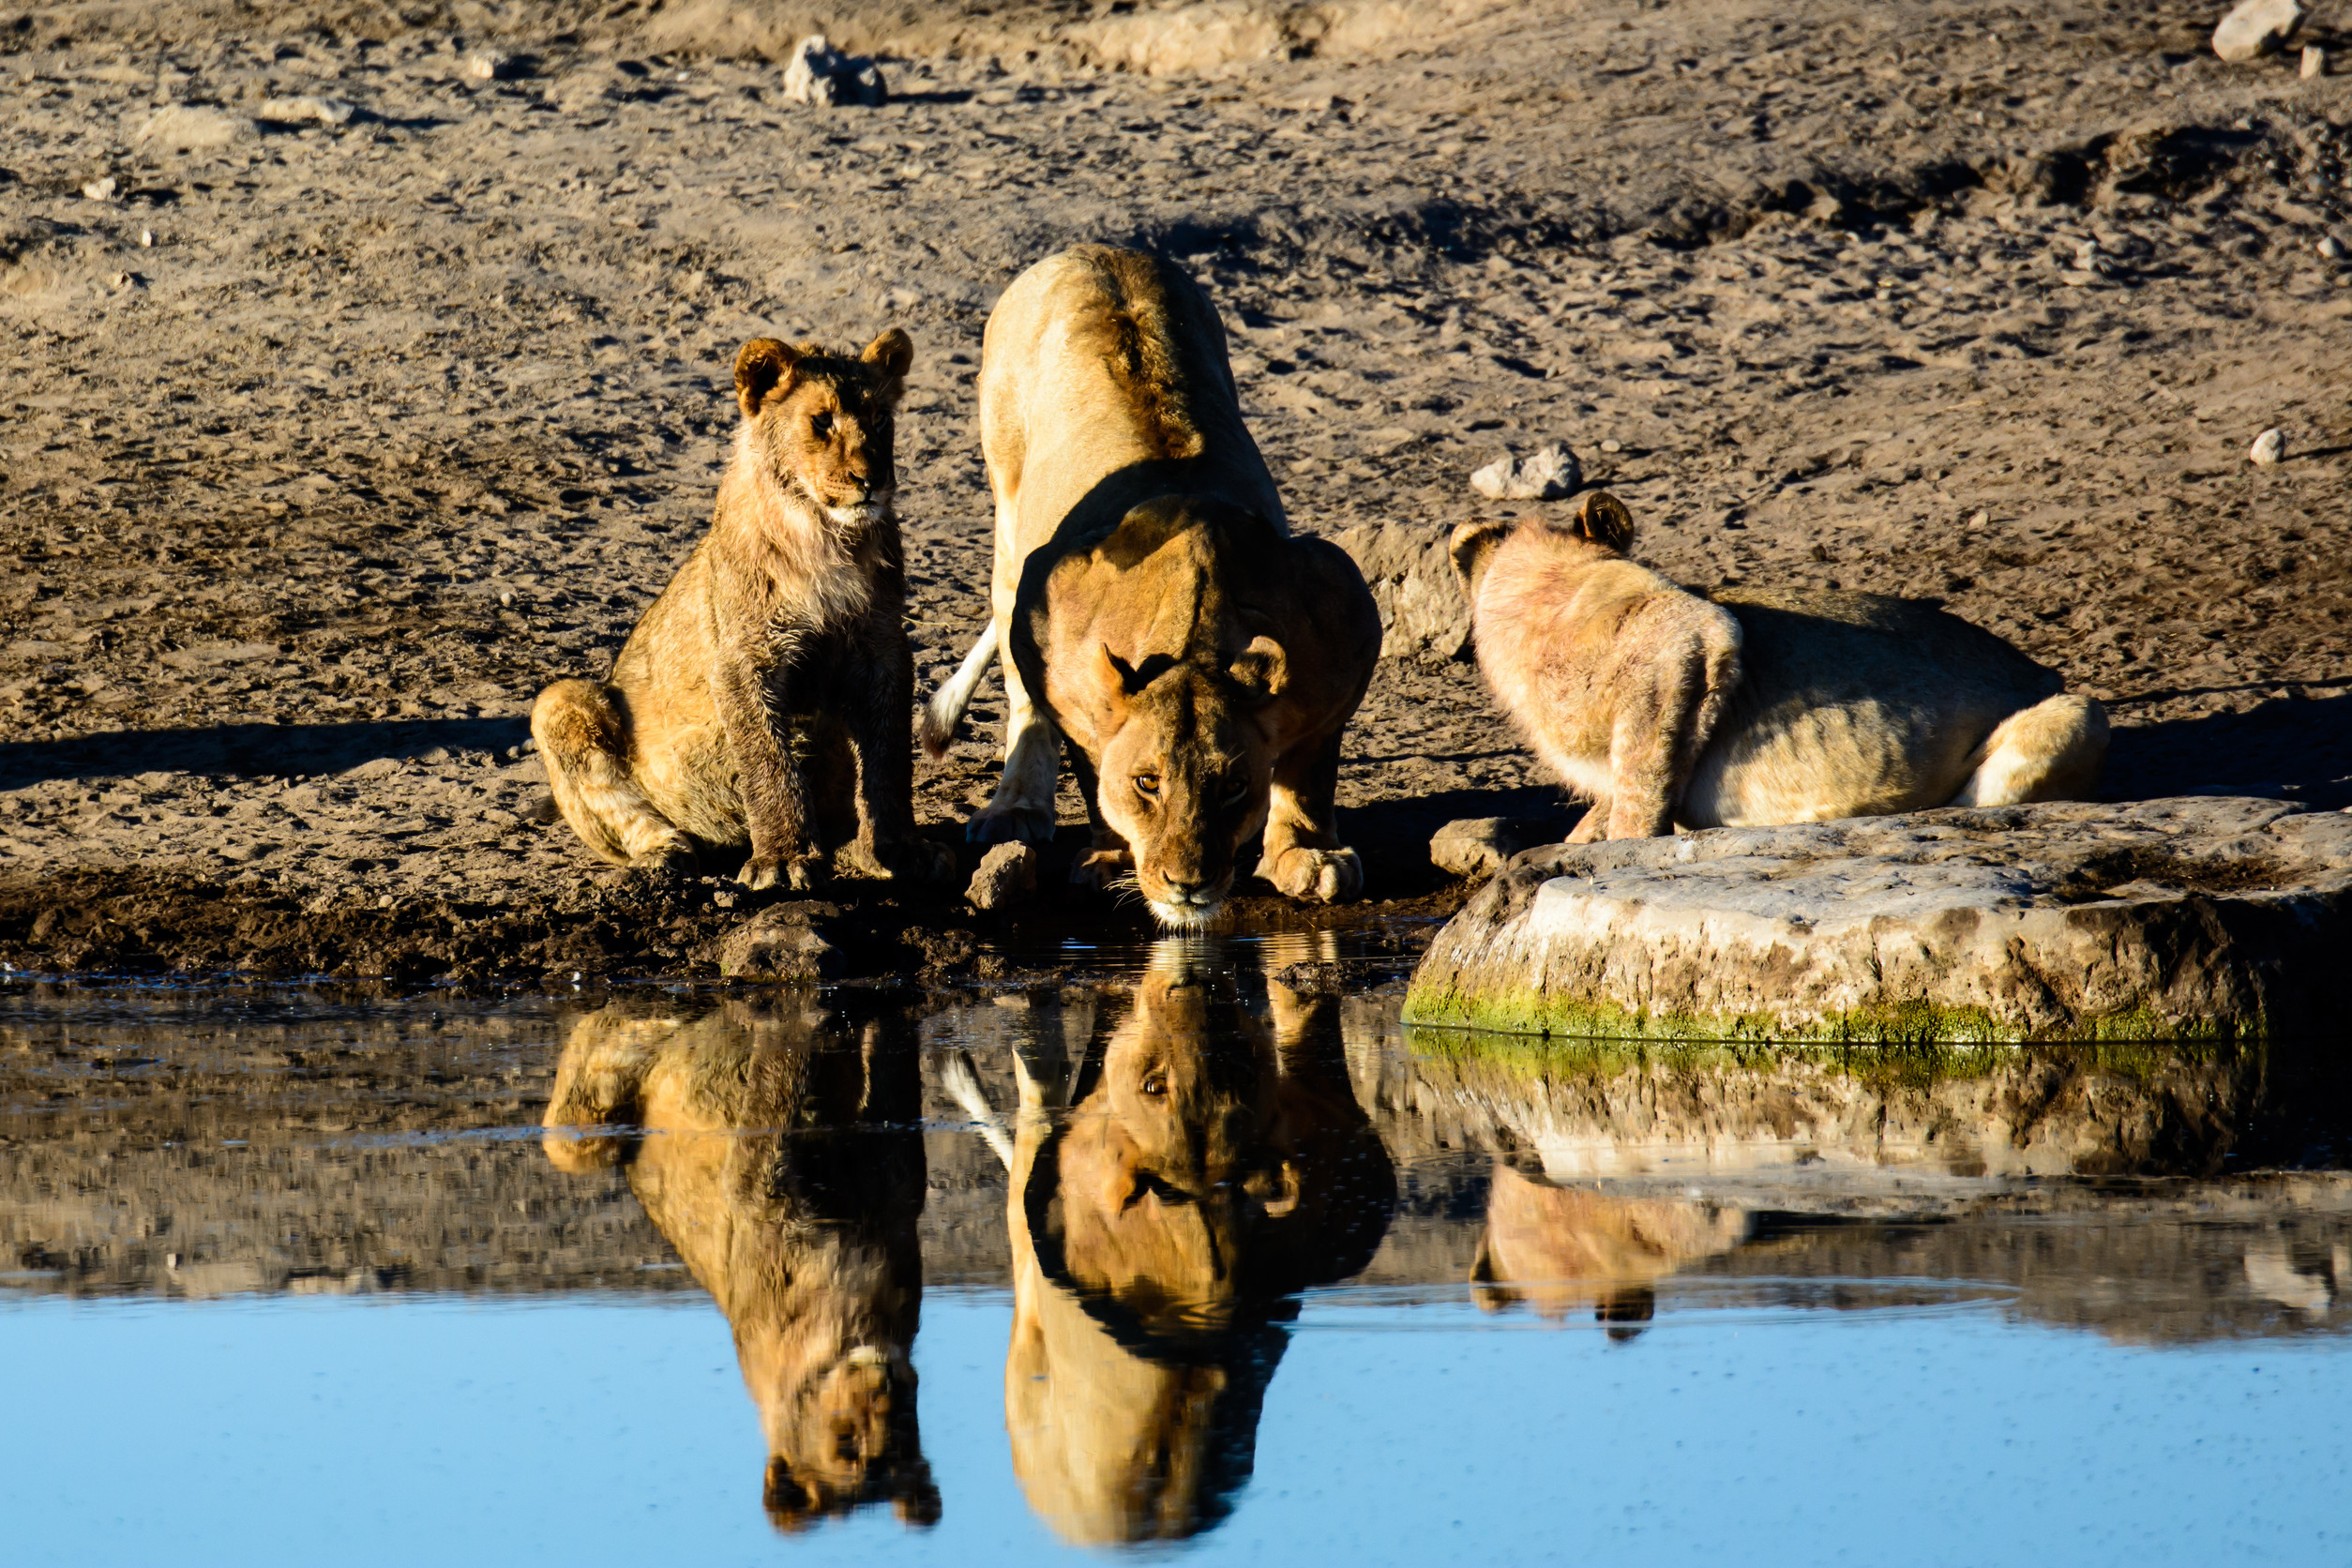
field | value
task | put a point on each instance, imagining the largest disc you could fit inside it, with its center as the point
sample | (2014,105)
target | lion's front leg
(1303,858)
(774,791)
(1109,859)
(881,738)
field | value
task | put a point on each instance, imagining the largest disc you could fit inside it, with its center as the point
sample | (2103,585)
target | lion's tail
(945,710)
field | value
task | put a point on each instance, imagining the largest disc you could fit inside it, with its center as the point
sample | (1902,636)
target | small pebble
(485,66)
(2315,61)
(821,75)
(2268,447)
(101,190)
(2331,248)
(1612,446)
(2256,28)
(1545,474)
(147,237)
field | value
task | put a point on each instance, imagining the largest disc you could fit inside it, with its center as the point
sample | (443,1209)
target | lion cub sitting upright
(774,664)
(1744,707)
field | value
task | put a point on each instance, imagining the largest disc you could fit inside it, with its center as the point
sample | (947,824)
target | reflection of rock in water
(1561,1249)
(1612,1109)
(778,1152)
(1167,1189)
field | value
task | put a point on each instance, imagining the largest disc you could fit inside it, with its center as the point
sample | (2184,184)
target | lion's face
(1160,1174)
(1183,780)
(825,424)
(844,1434)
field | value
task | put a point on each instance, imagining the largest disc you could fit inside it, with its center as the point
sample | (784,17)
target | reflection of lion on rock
(1206,1167)
(783,1168)
(1561,1249)
(1753,706)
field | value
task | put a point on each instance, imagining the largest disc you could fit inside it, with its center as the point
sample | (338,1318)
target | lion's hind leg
(583,742)
(2050,751)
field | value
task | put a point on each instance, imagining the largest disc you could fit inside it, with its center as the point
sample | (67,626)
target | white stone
(1481,846)
(101,190)
(488,66)
(2268,447)
(2196,916)
(1545,474)
(187,126)
(2256,28)
(821,75)
(2331,248)
(305,108)
(2315,61)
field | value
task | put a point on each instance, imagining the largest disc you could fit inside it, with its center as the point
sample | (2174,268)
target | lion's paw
(1008,825)
(918,860)
(1100,868)
(1321,876)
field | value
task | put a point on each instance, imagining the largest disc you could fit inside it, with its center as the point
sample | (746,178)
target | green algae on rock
(2203,917)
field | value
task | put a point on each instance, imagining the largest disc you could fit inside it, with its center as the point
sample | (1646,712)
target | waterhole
(1196,1247)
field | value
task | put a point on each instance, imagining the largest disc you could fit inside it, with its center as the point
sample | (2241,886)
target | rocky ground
(328,441)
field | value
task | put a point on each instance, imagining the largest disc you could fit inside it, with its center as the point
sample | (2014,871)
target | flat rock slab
(2199,917)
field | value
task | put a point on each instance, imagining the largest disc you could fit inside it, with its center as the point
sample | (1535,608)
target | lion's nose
(1182,892)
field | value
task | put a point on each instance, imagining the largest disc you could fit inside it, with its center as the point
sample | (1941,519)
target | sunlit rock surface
(2199,917)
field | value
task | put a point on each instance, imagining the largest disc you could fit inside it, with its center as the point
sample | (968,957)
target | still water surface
(1201,1258)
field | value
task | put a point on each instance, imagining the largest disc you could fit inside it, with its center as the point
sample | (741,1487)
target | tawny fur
(1148,602)
(1211,1165)
(785,1171)
(763,699)
(1667,708)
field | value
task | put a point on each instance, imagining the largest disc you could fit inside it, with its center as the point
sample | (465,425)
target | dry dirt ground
(323,446)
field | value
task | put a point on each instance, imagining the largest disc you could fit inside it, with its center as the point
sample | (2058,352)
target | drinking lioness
(1150,601)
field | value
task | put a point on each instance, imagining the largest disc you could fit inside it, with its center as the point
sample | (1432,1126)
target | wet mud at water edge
(326,443)
(1204,1247)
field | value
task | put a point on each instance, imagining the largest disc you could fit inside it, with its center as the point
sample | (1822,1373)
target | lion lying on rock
(764,697)
(1746,707)
(1150,602)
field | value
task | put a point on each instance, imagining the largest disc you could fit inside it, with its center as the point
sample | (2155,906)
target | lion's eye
(1147,785)
(1155,1085)
(821,426)
(1236,788)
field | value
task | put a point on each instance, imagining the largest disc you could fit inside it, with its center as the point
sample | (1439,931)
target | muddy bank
(329,442)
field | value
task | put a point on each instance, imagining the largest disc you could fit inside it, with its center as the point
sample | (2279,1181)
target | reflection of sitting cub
(784,1168)
(1754,706)
(1564,1248)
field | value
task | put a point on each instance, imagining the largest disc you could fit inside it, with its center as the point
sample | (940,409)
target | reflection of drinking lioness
(1196,1169)
(786,1171)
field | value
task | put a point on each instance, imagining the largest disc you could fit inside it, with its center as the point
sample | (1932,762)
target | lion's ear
(792,1505)
(891,354)
(1603,520)
(1470,545)
(764,367)
(1121,672)
(1261,668)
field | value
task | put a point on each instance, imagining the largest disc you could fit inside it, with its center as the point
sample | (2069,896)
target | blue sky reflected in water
(604,1430)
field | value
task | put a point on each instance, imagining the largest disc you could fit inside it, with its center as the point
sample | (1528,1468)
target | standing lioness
(1150,603)
(1753,706)
(776,661)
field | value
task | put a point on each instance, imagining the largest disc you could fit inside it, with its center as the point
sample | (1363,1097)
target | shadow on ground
(250,750)
(2296,749)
